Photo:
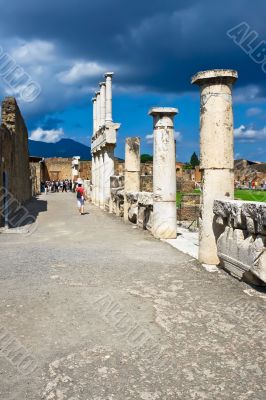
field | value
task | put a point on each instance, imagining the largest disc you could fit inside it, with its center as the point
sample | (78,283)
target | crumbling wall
(14,157)
(240,230)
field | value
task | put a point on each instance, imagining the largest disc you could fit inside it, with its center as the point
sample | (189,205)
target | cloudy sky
(154,47)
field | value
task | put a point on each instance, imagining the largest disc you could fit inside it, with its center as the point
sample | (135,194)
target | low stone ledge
(241,238)
(145,198)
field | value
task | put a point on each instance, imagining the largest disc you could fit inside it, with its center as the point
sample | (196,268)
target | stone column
(164,173)
(132,169)
(93,178)
(94,115)
(102,103)
(98,110)
(216,151)
(109,117)
(101,179)
(96,174)
(109,170)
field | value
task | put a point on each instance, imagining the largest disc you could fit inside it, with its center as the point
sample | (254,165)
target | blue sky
(153,48)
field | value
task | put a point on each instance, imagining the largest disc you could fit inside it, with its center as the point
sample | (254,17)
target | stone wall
(240,230)
(14,157)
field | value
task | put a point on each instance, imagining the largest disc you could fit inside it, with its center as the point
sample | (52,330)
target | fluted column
(109,117)
(98,110)
(132,169)
(94,115)
(109,169)
(103,103)
(164,173)
(216,151)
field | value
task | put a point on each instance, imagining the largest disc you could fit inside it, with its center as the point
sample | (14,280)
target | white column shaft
(109,117)
(109,168)
(101,180)
(216,152)
(103,104)
(164,174)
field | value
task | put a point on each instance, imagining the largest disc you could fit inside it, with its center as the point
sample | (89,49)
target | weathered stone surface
(145,198)
(241,243)
(132,197)
(14,157)
(216,150)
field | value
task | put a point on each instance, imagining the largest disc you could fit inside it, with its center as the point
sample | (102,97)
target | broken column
(132,169)
(164,173)
(108,82)
(216,151)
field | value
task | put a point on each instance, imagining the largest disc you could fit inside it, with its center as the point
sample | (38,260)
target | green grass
(250,195)
(246,195)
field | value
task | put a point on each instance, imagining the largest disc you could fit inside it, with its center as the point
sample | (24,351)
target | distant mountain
(64,148)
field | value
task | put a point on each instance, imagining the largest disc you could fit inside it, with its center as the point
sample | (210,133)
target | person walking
(80,198)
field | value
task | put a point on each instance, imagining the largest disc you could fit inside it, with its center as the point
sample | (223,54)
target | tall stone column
(164,173)
(93,178)
(97,177)
(132,169)
(216,151)
(98,110)
(101,179)
(109,117)
(102,103)
(94,114)
(109,170)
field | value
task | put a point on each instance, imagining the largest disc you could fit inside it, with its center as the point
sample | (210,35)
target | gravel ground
(94,309)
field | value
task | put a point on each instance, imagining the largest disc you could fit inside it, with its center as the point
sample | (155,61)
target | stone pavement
(103,311)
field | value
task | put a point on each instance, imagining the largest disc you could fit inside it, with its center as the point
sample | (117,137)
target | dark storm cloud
(52,123)
(156,45)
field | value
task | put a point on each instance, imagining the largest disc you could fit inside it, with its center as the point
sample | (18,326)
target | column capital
(97,92)
(102,84)
(93,99)
(215,76)
(108,74)
(161,111)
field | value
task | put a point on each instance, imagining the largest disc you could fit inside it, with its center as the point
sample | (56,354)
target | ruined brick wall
(146,183)
(14,157)
(85,170)
(57,168)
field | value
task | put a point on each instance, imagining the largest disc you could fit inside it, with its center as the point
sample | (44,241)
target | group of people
(57,186)
(67,185)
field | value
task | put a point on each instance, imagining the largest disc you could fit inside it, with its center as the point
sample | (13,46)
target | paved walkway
(102,311)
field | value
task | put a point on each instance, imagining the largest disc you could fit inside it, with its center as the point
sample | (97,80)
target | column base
(164,220)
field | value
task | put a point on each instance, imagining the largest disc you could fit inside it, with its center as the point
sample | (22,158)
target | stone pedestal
(216,151)
(164,173)
(132,169)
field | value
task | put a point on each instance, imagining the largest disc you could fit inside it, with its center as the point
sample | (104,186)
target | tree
(194,161)
(146,158)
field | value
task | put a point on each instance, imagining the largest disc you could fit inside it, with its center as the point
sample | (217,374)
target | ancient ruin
(15,175)
(216,151)
(103,143)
